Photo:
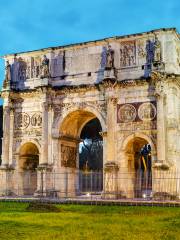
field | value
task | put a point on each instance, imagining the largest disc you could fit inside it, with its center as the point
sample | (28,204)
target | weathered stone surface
(133,90)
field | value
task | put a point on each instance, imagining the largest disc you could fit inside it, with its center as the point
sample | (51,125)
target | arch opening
(28,163)
(138,151)
(80,131)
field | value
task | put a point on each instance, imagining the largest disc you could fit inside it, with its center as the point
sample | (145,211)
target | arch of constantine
(129,84)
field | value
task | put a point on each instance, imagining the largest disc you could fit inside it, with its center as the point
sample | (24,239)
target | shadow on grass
(42,207)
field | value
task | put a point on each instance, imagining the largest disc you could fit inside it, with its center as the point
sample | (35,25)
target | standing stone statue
(45,67)
(7,79)
(157,50)
(109,58)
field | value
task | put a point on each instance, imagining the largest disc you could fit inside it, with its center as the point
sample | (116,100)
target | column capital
(112,100)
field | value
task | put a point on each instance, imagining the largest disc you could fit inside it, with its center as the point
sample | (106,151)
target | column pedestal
(44,181)
(6,181)
(111,180)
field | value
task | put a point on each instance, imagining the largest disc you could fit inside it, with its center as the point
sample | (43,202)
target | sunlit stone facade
(130,83)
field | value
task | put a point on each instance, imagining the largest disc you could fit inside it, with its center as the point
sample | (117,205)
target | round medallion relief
(147,111)
(22,120)
(36,120)
(127,113)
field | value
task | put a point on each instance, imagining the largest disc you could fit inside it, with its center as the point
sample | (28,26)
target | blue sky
(32,24)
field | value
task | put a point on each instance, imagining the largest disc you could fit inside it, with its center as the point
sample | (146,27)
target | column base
(44,180)
(111,181)
(6,180)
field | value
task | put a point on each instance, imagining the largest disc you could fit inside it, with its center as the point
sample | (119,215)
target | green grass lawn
(89,222)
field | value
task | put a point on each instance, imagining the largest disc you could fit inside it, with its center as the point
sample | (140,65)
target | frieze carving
(136,126)
(128,54)
(27,132)
(68,156)
(136,112)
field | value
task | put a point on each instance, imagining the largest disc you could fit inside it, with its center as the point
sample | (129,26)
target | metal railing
(155,185)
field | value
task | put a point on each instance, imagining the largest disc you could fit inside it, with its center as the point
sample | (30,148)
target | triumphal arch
(130,85)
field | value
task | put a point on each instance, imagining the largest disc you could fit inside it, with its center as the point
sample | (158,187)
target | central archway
(79,132)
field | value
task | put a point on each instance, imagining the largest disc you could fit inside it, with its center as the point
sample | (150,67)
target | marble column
(11,136)
(5,170)
(161,130)
(44,148)
(111,168)
(111,129)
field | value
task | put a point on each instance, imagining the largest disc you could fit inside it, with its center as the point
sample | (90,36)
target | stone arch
(138,135)
(60,119)
(26,152)
(139,166)
(35,142)
(69,128)
(28,162)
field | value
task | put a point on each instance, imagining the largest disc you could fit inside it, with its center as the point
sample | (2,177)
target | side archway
(27,164)
(139,152)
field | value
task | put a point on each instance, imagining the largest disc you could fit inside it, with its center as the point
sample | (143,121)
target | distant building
(131,84)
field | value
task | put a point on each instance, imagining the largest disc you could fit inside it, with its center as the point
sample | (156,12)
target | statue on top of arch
(109,58)
(157,50)
(45,67)
(7,79)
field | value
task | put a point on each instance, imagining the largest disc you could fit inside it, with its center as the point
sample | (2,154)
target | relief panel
(128,54)
(68,156)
